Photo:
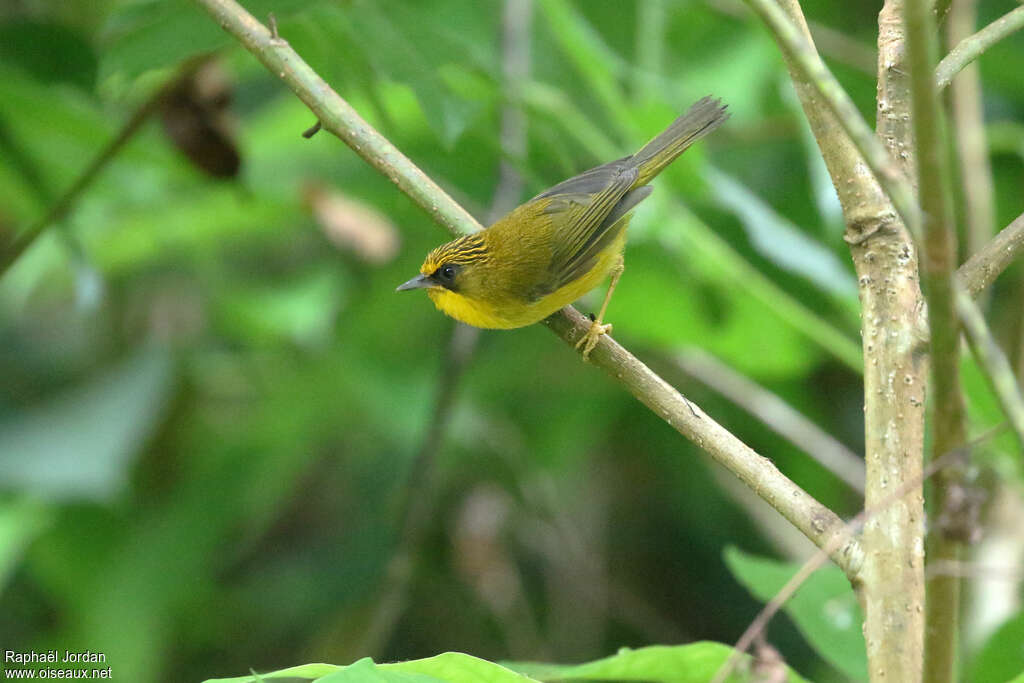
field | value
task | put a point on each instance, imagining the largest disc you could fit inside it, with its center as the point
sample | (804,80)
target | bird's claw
(589,340)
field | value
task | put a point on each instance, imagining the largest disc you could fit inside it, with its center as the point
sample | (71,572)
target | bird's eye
(448,272)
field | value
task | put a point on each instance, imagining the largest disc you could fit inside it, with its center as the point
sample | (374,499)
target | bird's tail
(702,117)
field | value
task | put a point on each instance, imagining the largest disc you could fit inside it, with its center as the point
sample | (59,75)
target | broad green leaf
(456,667)
(451,667)
(365,671)
(311,672)
(79,445)
(824,608)
(692,663)
(1003,655)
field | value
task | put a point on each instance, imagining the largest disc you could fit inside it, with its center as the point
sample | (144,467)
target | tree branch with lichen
(815,520)
(983,267)
(972,47)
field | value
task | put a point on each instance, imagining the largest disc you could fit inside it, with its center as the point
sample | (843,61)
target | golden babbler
(559,245)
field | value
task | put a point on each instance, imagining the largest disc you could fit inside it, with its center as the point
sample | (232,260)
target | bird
(554,248)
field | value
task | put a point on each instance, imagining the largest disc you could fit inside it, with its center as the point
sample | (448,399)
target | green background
(210,411)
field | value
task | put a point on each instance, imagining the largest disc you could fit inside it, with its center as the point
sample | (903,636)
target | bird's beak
(418,282)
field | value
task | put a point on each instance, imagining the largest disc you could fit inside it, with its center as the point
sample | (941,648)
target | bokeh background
(226,442)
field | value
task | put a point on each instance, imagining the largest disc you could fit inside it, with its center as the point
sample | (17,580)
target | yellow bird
(559,245)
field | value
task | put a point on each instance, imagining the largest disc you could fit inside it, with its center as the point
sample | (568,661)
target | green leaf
(824,608)
(365,671)
(1003,654)
(80,444)
(692,663)
(456,667)
(453,667)
(307,671)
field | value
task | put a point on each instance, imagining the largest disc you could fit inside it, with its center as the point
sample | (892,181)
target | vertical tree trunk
(891,581)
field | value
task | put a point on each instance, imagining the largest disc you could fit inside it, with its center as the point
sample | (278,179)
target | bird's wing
(584,212)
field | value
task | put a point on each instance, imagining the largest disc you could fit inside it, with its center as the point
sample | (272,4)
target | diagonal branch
(972,47)
(984,267)
(1000,374)
(968,128)
(776,414)
(805,59)
(816,521)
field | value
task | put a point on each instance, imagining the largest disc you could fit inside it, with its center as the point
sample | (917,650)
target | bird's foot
(589,340)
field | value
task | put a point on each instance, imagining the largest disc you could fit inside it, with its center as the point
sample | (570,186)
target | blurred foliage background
(215,411)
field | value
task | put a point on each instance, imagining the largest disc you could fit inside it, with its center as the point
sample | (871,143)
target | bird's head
(452,269)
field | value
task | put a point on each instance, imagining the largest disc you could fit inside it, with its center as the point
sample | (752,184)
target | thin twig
(970,570)
(61,208)
(983,267)
(972,47)
(938,265)
(651,24)
(840,46)
(832,42)
(516,35)
(776,414)
(806,60)
(815,520)
(998,370)
(312,130)
(975,175)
